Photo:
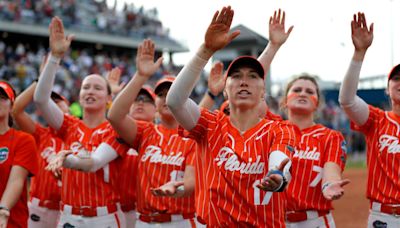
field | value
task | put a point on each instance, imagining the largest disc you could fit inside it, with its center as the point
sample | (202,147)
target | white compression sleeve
(103,155)
(275,159)
(186,111)
(49,109)
(355,107)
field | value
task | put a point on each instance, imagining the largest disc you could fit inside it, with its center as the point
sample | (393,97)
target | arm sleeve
(103,155)
(285,138)
(335,149)
(25,153)
(186,111)
(355,107)
(49,109)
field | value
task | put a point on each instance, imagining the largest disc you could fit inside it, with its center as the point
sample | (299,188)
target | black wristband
(211,95)
(4,208)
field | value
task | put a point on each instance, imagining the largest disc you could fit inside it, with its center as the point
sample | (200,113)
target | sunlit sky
(319,44)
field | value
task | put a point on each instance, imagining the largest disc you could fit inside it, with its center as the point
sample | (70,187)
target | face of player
(245,88)
(394,89)
(161,105)
(143,108)
(5,106)
(302,97)
(93,94)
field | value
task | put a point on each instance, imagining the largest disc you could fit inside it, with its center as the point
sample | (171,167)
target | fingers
(159,62)
(234,35)
(344,182)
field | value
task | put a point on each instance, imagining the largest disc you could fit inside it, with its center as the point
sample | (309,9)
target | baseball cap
(149,91)
(57,96)
(395,70)
(165,81)
(248,61)
(8,90)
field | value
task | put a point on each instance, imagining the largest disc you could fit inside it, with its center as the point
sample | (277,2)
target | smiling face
(244,88)
(302,96)
(94,94)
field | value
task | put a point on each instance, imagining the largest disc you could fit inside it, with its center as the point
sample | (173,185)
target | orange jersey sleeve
(382,134)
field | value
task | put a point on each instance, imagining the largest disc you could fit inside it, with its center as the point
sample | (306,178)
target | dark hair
(10,119)
(303,76)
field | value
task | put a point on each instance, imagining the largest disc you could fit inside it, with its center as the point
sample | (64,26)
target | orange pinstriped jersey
(234,164)
(82,188)
(44,185)
(382,132)
(318,145)
(163,156)
(17,148)
(128,178)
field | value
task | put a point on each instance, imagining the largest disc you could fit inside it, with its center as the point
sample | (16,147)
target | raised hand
(113,77)
(277,33)
(145,59)
(59,43)
(56,164)
(362,36)
(272,182)
(168,189)
(217,34)
(334,190)
(216,82)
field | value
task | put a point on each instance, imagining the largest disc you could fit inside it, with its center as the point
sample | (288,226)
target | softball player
(45,189)
(318,160)
(17,162)
(89,199)
(237,148)
(381,129)
(165,159)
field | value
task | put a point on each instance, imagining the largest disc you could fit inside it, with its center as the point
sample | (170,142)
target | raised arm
(362,36)
(277,37)
(216,85)
(24,121)
(59,44)
(124,125)
(114,77)
(217,36)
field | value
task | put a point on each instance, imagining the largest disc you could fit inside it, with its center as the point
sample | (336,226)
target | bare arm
(24,121)
(356,108)
(277,37)
(186,112)
(124,125)
(332,183)
(14,187)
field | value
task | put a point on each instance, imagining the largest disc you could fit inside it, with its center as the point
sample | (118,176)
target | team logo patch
(344,149)
(3,154)
(291,149)
(344,146)
(379,224)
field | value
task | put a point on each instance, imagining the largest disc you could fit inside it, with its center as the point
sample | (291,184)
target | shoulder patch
(3,154)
